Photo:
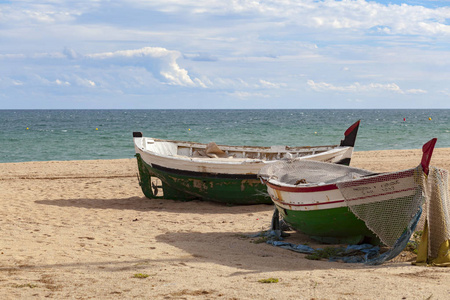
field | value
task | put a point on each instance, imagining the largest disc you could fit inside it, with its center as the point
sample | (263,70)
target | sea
(59,135)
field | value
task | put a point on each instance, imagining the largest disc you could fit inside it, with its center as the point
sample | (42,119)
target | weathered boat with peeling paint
(319,208)
(187,170)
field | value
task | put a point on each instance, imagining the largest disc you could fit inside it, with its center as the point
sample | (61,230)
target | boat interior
(212,150)
(307,172)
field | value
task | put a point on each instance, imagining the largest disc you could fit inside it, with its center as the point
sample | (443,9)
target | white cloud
(159,61)
(48,55)
(445,92)
(70,53)
(248,95)
(8,82)
(12,56)
(267,84)
(62,83)
(28,13)
(85,82)
(327,14)
(415,91)
(360,88)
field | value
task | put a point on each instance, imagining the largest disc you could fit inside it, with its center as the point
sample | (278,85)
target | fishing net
(434,246)
(304,172)
(393,221)
(386,203)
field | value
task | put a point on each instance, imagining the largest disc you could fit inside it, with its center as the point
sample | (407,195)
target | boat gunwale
(239,161)
(311,187)
(268,149)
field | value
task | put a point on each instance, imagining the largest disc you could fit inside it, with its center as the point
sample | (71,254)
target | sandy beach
(84,230)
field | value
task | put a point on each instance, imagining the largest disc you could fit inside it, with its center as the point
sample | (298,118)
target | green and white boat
(338,204)
(186,171)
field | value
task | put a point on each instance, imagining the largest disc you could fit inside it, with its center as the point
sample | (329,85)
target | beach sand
(84,230)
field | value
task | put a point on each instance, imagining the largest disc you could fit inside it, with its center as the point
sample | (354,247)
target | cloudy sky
(137,54)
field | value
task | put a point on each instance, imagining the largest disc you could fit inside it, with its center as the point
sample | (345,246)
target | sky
(220,54)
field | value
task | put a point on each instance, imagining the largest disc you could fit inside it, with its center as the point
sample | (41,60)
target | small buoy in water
(315,132)
(189,129)
(429,118)
(404,119)
(27,128)
(96,128)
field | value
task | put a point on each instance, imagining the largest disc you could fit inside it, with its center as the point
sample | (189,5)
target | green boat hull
(330,226)
(185,187)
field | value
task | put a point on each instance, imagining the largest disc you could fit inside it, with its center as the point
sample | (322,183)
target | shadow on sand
(145,204)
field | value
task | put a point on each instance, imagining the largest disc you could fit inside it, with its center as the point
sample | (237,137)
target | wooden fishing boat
(340,204)
(185,171)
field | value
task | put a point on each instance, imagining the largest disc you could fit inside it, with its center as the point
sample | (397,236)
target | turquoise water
(107,134)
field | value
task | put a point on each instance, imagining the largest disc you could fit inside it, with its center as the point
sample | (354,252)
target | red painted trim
(351,128)
(309,204)
(427,150)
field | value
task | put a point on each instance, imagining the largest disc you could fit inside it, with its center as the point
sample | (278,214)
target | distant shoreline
(203,109)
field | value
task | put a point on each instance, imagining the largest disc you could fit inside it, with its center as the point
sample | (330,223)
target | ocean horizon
(75,134)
